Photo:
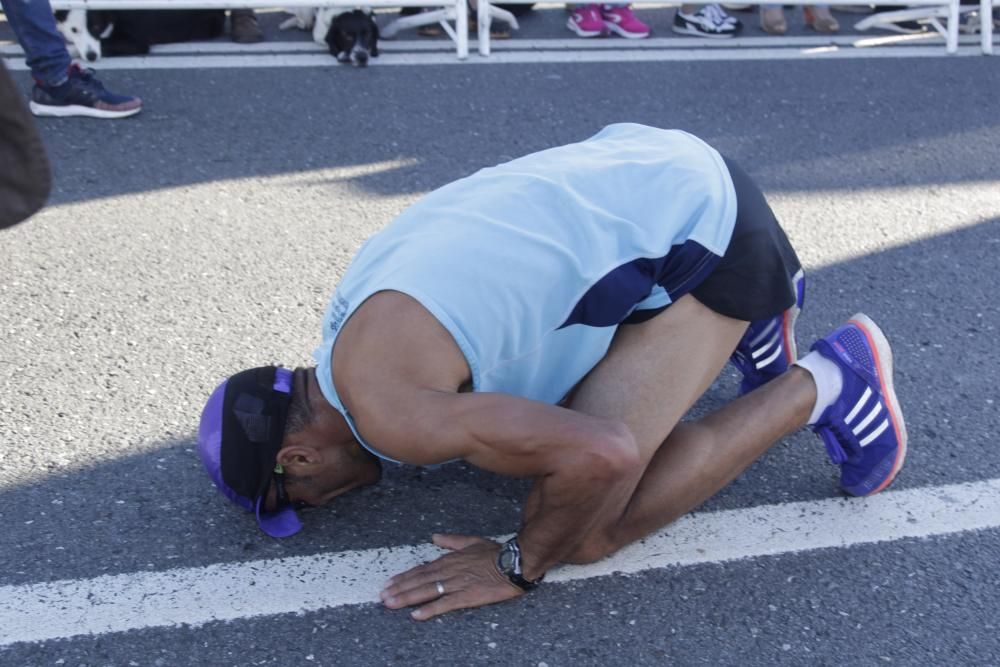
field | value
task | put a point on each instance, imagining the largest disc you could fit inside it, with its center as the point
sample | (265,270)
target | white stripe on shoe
(766,362)
(764,334)
(774,340)
(857,406)
(868,420)
(876,433)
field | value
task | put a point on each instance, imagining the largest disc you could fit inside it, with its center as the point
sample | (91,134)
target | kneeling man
(554,317)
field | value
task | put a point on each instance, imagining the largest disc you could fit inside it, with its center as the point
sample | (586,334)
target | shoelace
(714,14)
(88,77)
(741,361)
(841,443)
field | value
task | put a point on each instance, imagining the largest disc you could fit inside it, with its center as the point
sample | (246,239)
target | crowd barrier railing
(458,11)
(947,9)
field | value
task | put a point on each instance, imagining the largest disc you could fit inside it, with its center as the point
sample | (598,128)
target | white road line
(438,52)
(518,57)
(554,44)
(194,596)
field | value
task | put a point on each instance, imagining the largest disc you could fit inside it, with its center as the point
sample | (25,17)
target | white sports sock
(828,379)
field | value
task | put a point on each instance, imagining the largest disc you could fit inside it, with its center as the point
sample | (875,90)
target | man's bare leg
(652,375)
(699,458)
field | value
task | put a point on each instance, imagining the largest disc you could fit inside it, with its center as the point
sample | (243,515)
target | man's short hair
(299,412)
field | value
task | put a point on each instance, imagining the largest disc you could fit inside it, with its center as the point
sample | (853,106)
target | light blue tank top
(532,265)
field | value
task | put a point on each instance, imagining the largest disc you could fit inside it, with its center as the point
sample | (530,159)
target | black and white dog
(97,33)
(73,27)
(351,35)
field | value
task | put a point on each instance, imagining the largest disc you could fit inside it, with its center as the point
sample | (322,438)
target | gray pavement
(206,234)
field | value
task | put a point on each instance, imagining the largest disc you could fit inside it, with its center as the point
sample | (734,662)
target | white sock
(829,382)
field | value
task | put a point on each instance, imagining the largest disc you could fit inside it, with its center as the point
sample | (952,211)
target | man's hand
(468,576)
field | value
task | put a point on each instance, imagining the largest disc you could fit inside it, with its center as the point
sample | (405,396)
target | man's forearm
(586,466)
(571,504)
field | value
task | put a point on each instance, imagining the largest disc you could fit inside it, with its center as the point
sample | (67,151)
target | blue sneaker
(768,348)
(81,95)
(863,430)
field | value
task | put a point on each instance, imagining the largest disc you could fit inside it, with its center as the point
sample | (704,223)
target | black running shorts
(754,278)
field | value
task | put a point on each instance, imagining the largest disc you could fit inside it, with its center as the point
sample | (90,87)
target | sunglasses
(281,493)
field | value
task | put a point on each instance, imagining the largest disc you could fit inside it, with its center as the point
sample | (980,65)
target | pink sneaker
(620,19)
(586,21)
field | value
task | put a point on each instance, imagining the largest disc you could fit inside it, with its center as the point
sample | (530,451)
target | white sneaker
(709,21)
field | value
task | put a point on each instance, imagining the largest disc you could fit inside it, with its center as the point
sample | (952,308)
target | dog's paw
(302,18)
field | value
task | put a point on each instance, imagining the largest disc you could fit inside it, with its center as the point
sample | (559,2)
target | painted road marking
(440,52)
(225,592)
(574,44)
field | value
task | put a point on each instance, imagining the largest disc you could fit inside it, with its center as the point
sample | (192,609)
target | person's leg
(44,48)
(772,19)
(244,28)
(843,389)
(819,18)
(700,458)
(651,376)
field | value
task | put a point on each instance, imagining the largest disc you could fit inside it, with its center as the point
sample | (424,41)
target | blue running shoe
(863,430)
(82,95)
(768,348)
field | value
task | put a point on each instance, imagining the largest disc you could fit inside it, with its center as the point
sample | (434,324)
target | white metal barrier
(453,10)
(986,26)
(458,11)
(947,9)
(932,16)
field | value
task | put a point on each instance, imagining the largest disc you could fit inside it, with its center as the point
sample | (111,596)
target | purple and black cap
(241,430)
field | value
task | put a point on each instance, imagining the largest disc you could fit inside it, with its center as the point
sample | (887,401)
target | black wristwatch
(509,565)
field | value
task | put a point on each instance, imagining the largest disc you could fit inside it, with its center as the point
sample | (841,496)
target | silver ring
(440,587)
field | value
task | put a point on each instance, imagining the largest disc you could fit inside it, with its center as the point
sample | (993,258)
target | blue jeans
(44,48)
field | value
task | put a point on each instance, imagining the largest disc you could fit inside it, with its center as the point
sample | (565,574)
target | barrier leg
(462,27)
(485,17)
(986,26)
(953,20)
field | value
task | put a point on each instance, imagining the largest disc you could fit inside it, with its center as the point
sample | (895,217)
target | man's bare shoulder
(391,339)
(389,355)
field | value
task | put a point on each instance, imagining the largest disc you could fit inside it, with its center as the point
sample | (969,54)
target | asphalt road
(206,234)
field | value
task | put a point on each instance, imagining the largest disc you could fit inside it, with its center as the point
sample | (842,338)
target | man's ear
(298,455)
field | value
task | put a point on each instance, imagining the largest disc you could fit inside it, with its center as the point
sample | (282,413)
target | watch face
(507,559)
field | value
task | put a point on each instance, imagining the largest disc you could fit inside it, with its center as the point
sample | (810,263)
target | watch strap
(512,571)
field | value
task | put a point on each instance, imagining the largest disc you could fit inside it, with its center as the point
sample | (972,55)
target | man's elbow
(613,454)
